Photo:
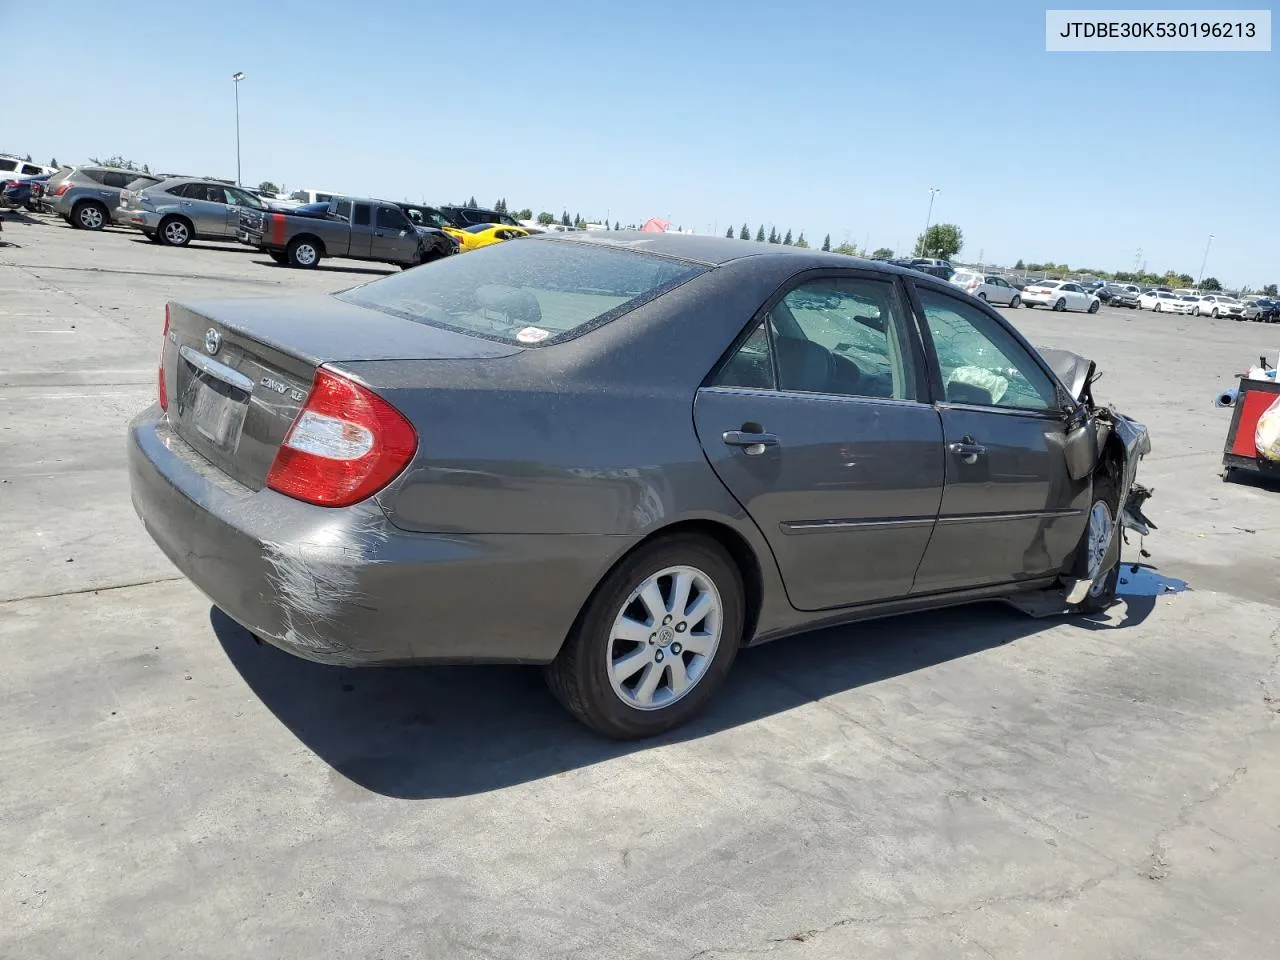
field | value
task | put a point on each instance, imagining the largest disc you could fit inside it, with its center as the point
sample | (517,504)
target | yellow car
(483,234)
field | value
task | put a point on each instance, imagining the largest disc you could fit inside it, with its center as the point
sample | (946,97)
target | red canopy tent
(654,225)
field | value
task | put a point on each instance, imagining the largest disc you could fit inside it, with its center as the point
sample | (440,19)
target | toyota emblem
(212,341)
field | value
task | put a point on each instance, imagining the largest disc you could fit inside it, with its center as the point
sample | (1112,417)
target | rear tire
(151,235)
(90,215)
(278,257)
(175,231)
(303,253)
(590,676)
(1103,592)
(1061,305)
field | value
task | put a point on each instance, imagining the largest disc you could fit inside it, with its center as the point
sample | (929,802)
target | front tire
(1093,307)
(303,253)
(1215,313)
(90,215)
(655,641)
(1156,308)
(1097,536)
(1015,303)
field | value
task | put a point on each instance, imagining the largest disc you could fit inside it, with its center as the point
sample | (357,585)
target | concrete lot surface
(963,784)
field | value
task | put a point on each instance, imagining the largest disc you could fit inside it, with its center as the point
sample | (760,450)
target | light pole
(924,237)
(1204,260)
(237,77)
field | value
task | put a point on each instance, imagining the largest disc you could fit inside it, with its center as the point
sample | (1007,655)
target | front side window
(845,337)
(390,218)
(981,363)
(243,198)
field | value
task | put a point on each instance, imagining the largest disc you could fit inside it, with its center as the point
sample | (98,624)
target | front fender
(1122,449)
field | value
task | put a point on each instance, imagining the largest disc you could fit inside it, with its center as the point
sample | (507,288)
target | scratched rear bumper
(344,586)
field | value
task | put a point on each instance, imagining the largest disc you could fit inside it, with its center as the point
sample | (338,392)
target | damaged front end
(1102,440)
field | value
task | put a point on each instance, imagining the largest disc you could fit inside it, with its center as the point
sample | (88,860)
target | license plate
(215,410)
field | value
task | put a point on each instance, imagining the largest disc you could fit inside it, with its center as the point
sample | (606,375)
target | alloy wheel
(91,217)
(176,233)
(1100,527)
(664,638)
(305,254)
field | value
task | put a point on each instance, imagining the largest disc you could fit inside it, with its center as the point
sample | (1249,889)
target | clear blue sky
(824,117)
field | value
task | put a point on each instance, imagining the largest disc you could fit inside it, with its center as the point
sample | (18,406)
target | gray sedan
(623,456)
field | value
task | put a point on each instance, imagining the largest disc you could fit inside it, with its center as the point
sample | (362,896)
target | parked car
(463,217)
(176,211)
(89,197)
(1261,310)
(1116,295)
(1060,295)
(934,268)
(346,476)
(1161,301)
(1219,305)
(483,234)
(23,192)
(312,196)
(424,216)
(13,168)
(355,228)
(989,287)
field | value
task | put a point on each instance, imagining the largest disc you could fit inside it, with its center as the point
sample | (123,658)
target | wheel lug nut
(658,656)
(675,648)
(681,627)
(666,619)
(653,638)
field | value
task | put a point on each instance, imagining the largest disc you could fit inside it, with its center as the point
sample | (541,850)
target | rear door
(205,205)
(1010,511)
(816,424)
(361,231)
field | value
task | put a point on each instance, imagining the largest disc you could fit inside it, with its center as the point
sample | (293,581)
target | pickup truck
(354,228)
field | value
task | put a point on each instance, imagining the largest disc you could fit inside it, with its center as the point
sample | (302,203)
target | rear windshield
(531,292)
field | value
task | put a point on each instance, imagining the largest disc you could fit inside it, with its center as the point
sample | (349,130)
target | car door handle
(967,450)
(753,444)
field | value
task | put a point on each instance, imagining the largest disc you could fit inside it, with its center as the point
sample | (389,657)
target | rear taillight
(161,389)
(61,188)
(346,444)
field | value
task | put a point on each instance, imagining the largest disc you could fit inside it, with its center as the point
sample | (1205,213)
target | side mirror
(1081,448)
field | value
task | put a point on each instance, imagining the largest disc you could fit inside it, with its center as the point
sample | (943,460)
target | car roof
(714,251)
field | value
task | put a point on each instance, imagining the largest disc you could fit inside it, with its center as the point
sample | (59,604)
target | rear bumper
(147,220)
(345,586)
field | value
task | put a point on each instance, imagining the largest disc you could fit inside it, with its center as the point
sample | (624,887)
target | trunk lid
(238,372)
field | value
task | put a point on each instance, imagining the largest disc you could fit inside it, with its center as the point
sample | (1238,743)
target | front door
(815,426)
(1010,511)
(394,239)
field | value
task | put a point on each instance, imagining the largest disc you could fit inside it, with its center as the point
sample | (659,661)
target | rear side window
(535,292)
(31,170)
(8,165)
(362,215)
(113,179)
(97,176)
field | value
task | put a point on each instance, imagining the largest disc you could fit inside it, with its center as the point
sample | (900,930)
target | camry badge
(212,341)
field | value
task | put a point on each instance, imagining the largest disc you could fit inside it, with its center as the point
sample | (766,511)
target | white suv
(21,168)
